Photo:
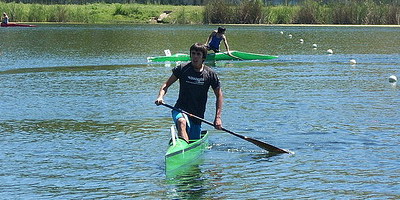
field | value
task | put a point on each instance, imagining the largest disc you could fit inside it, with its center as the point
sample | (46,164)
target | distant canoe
(237,55)
(15,24)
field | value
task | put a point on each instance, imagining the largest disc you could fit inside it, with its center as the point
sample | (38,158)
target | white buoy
(314,46)
(353,61)
(290,36)
(301,41)
(330,51)
(392,79)
(282,32)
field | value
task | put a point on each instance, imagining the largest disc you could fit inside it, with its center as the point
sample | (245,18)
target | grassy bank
(216,11)
(101,13)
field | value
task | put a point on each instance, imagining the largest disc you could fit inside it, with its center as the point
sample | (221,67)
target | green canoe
(181,153)
(237,55)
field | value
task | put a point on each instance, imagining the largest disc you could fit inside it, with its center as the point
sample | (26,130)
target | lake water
(77,118)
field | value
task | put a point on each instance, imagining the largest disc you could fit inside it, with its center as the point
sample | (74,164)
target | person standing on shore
(195,79)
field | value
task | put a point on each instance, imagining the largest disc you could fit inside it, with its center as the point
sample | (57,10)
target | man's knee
(181,121)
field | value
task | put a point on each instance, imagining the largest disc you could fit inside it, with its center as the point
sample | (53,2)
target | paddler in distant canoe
(195,79)
(214,41)
(5,19)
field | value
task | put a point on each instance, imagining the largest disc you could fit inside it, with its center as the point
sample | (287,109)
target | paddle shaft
(260,144)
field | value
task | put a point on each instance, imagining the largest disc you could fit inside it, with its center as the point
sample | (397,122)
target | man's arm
(229,51)
(218,108)
(164,89)
(226,45)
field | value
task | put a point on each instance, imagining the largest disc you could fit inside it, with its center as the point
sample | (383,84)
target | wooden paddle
(261,144)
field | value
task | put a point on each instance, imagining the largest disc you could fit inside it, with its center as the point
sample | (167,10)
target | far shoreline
(310,13)
(163,24)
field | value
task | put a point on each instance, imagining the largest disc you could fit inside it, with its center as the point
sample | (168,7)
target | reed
(367,12)
(247,12)
(393,14)
(280,14)
(218,12)
(250,12)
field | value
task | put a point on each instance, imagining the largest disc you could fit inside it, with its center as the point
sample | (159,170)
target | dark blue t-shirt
(194,86)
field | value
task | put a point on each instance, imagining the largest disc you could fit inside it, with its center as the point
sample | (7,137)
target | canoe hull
(16,25)
(183,153)
(213,57)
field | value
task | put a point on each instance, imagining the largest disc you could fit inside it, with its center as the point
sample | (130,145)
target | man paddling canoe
(5,22)
(195,79)
(5,19)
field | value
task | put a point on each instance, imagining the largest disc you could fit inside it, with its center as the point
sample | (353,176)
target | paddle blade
(259,143)
(266,146)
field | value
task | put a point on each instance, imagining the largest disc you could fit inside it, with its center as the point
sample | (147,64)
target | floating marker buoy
(353,62)
(392,79)
(301,41)
(314,46)
(290,35)
(329,51)
(282,32)
(167,52)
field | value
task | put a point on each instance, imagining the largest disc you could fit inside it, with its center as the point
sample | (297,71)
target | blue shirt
(215,41)
(5,20)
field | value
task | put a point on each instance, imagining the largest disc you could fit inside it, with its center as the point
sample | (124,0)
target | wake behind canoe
(237,55)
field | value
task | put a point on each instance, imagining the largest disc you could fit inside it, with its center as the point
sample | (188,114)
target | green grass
(101,13)
(217,11)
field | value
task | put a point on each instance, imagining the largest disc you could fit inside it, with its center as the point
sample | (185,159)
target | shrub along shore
(215,12)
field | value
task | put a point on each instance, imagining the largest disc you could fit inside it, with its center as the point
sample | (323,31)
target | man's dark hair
(199,47)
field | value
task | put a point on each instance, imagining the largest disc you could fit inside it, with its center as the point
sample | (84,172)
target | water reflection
(188,181)
(73,127)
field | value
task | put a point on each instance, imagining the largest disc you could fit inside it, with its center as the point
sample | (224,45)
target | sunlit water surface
(77,118)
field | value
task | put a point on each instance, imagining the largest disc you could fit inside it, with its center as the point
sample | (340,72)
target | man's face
(196,57)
